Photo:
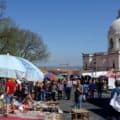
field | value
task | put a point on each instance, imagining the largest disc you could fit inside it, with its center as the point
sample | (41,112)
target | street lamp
(94,64)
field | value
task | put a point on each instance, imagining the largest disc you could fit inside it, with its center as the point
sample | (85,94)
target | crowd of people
(28,92)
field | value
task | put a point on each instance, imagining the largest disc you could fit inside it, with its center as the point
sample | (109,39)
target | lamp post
(94,65)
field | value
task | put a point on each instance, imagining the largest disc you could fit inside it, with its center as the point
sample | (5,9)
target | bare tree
(23,43)
(19,42)
(32,46)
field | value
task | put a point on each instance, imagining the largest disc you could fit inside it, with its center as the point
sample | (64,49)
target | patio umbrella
(50,76)
(32,72)
(11,67)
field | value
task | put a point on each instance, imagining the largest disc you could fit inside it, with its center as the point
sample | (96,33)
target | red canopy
(112,74)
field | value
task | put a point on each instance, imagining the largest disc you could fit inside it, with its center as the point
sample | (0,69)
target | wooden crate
(53,116)
(52,103)
(80,114)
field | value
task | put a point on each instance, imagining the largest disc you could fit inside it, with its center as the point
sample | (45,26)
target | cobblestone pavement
(99,108)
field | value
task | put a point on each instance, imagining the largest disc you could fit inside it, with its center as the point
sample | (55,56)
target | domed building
(111,58)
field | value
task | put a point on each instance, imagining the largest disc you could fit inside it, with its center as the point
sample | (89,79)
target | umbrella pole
(5,101)
(2,94)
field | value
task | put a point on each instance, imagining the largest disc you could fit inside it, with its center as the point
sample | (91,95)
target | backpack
(115,100)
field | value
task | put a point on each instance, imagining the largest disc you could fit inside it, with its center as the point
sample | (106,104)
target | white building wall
(100,62)
(116,41)
(119,60)
(113,59)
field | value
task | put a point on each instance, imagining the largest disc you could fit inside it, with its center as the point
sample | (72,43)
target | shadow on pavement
(66,111)
(101,112)
(103,107)
(100,102)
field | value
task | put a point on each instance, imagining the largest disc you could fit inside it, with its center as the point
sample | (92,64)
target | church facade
(109,59)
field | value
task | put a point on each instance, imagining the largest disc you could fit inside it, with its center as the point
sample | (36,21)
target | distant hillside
(68,67)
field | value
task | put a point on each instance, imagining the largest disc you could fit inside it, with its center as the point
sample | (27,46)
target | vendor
(24,90)
(18,92)
(10,90)
(28,100)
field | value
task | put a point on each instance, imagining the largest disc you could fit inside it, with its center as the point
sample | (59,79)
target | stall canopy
(111,74)
(95,74)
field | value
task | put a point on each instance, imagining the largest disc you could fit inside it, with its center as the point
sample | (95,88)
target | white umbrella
(32,72)
(11,67)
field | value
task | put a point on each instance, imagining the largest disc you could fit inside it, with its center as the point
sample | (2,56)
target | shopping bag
(115,102)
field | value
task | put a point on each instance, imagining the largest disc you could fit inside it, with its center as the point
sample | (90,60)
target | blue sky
(68,27)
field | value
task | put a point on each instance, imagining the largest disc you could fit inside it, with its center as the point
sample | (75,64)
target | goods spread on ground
(39,110)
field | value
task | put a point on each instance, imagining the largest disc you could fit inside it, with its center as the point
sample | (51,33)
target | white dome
(114,35)
(114,28)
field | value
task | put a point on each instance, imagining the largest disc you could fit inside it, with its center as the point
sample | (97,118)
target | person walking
(37,89)
(85,90)
(99,88)
(92,89)
(53,90)
(78,95)
(60,89)
(64,87)
(68,89)
(114,112)
(10,90)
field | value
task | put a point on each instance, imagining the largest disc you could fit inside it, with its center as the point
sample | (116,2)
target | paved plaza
(99,108)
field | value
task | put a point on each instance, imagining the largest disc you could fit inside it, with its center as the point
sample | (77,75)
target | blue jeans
(9,99)
(42,95)
(78,104)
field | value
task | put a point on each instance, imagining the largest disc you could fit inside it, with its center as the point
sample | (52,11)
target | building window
(119,43)
(113,65)
(85,67)
(111,44)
